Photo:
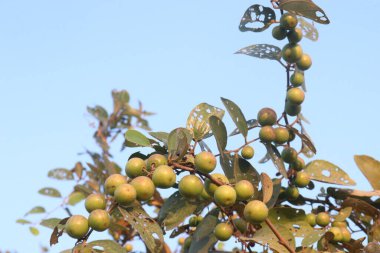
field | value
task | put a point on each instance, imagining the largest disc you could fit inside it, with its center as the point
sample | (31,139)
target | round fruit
(247,152)
(114,181)
(255,211)
(241,225)
(128,247)
(181,241)
(267,134)
(99,220)
(304,62)
(211,187)
(292,109)
(288,21)
(297,79)
(225,196)
(279,33)
(135,167)
(205,162)
(337,234)
(144,187)
(190,186)
(302,179)
(323,219)
(205,195)
(223,231)
(295,35)
(193,221)
(187,242)
(299,164)
(282,135)
(295,96)
(244,190)
(156,160)
(77,226)
(164,177)
(292,193)
(292,53)
(292,135)
(340,224)
(125,194)
(346,235)
(311,219)
(95,201)
(289,155)
(266,117)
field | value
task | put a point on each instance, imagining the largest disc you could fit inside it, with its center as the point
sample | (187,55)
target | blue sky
(57,57)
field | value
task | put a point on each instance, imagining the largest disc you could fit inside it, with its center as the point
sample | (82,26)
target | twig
(281,239)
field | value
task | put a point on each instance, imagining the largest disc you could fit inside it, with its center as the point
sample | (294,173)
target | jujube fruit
(266,117)
(156,160)
(288,21)
(302,179)
(292,109)
(144,187)
(279,33)
(323,219)
(267,134)
(205,162)
(114,181)
(95,201)
(244,190)
(297,79)
(295,96)
(99,220)
(337,232)
(311,219)
(77,226)
(225,196)
(255,211)
(289,155)
(282,135)
(210,187)
(292,193)
(190,186)
(135,167)
(292,53)
(223,231)
(247,152)
(295,35)
(164,177)
(304,62)
(125,194)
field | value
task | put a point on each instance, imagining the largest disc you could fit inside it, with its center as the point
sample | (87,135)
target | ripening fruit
(205,162)
(289,155)
(247,152)
(181,241)
(99,220)
(304,62)
(299,164)
(279,33)
(128,247)
(267,134)
(311,219)
(211,187)
(297,79)
(282,135)
(346,235)
(125,194)
(190,186)
(205,195)
(156,160)
(144,187)
(241,225)
(164,177)
(295,35)
(337,232)
(302,179)
(292,135)
(187,242)
(291,53)
(255,211)
(295,96)
(135,167)
(77,226)
(266,117)
(340,224)
(292,109)
(95,201)
(292,193)
(244,189)
(114,181)
(288,21)
(225,196)
(223,231)
(323,219)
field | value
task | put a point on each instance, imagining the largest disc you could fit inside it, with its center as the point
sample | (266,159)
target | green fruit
(292,109)
(266,117)
(135,167)
(144,187)
(205,162)
(267,134)
(297,79)
(187,242)
(241,225)
(291,53)
(223,231)
(205,195)
(288,21)
(311,219)
(292,193)
(295,96)
(99,220)
(164,177)
(292,135)
(125,194)
(247,152)
(346,235)
(255,211)
(128,247)
(211,187)
(323,219)
(225,196)
(295,35)
(77,226)
(337,232)
(302,179)
(114,181)
(193,221)
(339,224)
(299,164)
(95,201)
(244,190)
(190,186)
(279,33)
(282,135)
(304,62)
(289,155)
(156,160)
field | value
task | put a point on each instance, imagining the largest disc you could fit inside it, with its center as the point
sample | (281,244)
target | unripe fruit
(292,193)
(181,241)
(156,160)
(311,219)
(282,135)
(211,187)
(304,62)
(95,201)
(125,194)
(279,33)
(267,134)
(77,226)
(247,152)
(292,135)
(323,219)
(302,179)
(190,186)
(144,187)
(187,243)
(223,231)
(266,117)
(241,225)
(244,190)
(205,195)
(292,109)
(295,35)
(295,96)
(346,235)
(255,211)
(135,167)
(339,224)
(299,164)
(193,221)
(289,155)
(99,220)
(164,177)
(128,247)
(291,53)
(225,196)
(288,21)
(337,234)
(205,162)
(297,79)
(114,181)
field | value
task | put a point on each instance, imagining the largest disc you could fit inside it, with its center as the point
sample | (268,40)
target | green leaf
(75,198)
(237,116)
(276,192)
(83,189)
(34,231)
(198,120)
(99,113)
(312,237)
(35,210)
(262,16)
(50,223)
(220,133)
(243,170)
(276,159)
(23,222)
(343,214)
(61,174)
(120,100)
(137,138)
(161,136)
(108,246)
(306,141)
(252,123)
(305,8)
(262,51)
(227,164)
(308,30)
(178,143)
(327,172)
(51,192)
(370,168)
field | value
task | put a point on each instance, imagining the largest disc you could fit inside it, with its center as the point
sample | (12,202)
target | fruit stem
(281,239)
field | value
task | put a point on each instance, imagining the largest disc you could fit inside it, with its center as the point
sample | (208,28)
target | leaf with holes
(227,164)
(312,237)
(243,170)
(370,168)
(305,8)
(108,246)
(35,210)
(327,172)
(252,123)
(276,159)
(161,136)
(267,187)
(61,174)
(360,207)
(259,16)
(308,30)
(49,191)
(236,115)
(220,133)
(178,143)
(198,120)
(136,139)
(263,51)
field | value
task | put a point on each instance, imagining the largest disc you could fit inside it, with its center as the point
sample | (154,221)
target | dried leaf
(370,168)
(267,187)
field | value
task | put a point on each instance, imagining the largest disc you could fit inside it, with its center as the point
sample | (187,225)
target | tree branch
(281,239)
